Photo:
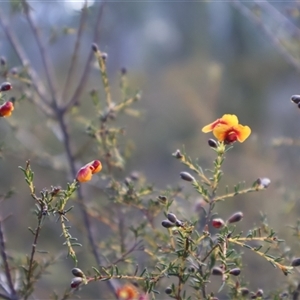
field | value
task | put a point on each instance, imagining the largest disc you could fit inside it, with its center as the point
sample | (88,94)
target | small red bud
(76,282)
(5,86)
(218,223)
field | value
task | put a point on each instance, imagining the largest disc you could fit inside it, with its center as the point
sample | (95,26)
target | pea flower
(6,109)
(127,292)
(228,130)
(86,172)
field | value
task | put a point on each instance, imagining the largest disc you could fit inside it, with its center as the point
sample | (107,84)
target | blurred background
(193,62)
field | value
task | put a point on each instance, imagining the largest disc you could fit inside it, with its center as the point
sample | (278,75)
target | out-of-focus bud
(218,223)
(172,217)
(217,271)
(168,290)
(259,293)
(76,282)
(2,61)
(177,154)
(127,292)
(178,223)
(295,99)
(236,217)
(212,143)
(123,71)
(162,199)
(6,109)
(187,176)
(235,272)
(104,55)
(296,262)
(244,291)
(263,183)
(5,86)
(95,47)
(77,272)
(167,224)
(84,174)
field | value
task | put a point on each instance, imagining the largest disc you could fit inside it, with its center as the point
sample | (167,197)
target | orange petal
(243,132)
(84,174)
(97,166)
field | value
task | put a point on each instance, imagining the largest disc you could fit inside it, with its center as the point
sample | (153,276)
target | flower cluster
(86,172)
(228,130)
(6,109)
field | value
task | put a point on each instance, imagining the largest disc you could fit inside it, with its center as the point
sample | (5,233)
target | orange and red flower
(228,130)
(128,292)
(86,172)
(6,109)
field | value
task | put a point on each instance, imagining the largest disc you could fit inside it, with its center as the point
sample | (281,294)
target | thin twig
(13,293)
(33,250)
(76,49)
(84,77)
(275,40)
(40,90)
(44,56)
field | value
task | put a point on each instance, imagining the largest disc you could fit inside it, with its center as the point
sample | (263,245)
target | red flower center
(231,137)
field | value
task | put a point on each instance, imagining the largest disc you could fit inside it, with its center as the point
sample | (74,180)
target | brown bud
(123,71)
(259,293)
(171,217)
(76,282)
(296,262)
(177,154)
(217,271)
(263,183)
(236,217)
(2,60)
(5,86)
(104,55)
(167,224)
(95,47)
(77,272)
(187,176)
(244,291)
(212,143)
(162,199)
(218,223)
(235,272)
(295,99)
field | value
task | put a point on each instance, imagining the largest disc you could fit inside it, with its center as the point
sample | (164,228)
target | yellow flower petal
(230,120)
(220,132)
(243,132)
